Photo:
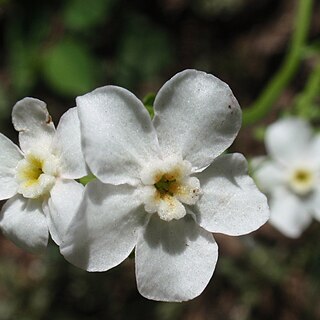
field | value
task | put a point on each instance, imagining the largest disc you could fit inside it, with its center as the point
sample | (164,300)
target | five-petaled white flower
(163,185)
(39,178)
(291,175)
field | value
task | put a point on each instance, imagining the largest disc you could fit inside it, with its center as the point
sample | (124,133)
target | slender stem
(305,105)
(291,63)
(311,90)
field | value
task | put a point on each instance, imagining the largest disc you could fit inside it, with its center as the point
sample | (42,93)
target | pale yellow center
(302,181)
(30,172)
(36,174)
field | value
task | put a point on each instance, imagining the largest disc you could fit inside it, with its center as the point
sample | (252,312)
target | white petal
(315,203)
(313,152)
(10,155)
(104,231)
(288,213)
(67,145)
(117,134)
(287,139)
(188,190)
(24,223)
(63,204)
(170,208)
(196,117)
(31,118)
(231,203)
(269,174)
(174,260)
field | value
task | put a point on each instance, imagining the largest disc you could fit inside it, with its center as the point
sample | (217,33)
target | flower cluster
(163,185)
(39,177)
(290,176)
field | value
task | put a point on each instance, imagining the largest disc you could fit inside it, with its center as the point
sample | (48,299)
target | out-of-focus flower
(290,176)
(39,178)
(163,185)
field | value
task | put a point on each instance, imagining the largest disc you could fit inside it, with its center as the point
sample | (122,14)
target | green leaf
(22,56)
(87,179)
(144,50)
(148,102)
(22,68)
(81,15)
(69,68)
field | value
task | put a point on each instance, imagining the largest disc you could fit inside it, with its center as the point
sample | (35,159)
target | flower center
(36,174)
(302,181)
(165,185)
(168,187)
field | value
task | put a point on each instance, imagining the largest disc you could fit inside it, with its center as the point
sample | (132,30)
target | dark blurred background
(57,50)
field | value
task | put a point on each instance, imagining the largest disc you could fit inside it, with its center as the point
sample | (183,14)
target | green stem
(272,91)
(311,90)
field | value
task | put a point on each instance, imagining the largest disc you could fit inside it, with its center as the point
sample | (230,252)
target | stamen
(167,186)
(36,174)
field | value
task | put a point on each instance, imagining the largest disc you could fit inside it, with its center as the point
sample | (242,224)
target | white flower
(291,175)
(163,185)
(39,178)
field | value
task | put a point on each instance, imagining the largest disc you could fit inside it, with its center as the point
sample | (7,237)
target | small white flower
(291,175)
(39,178)
(163,185)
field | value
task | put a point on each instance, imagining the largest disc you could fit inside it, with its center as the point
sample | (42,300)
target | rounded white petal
(117,134)
(313,152)
(287,139)
(64,201)
(196,117)
(315,203)
(268,175)
(104,231)
(189,191)
(174,260)
(24,223)
(170,208)
(31,118)
(289,214)
(231,203)
(67,146)
(10,155)
(149,196)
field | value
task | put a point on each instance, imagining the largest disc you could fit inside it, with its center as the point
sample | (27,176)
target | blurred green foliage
(65,47)
(69,68)
(144,50)
(79,16)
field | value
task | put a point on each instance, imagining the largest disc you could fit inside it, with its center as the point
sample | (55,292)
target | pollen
(30,169)
(168,187)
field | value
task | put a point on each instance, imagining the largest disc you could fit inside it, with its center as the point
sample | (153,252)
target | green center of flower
(166,185)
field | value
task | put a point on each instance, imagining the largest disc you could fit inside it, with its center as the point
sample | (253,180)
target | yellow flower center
(168,187)
(36,174)
(302,181)
(31,170)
